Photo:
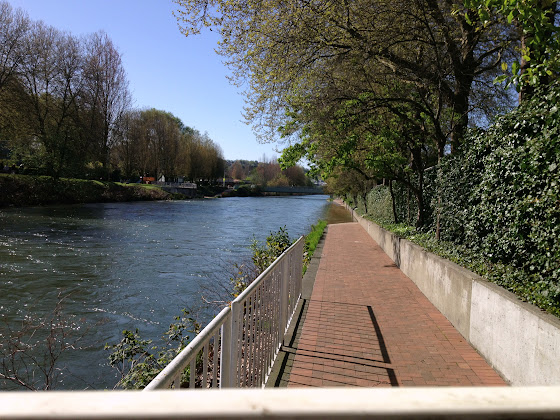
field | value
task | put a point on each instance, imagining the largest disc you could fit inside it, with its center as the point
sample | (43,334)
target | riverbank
(131,265)
(26,190)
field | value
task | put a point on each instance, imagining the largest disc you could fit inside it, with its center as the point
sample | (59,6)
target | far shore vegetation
(66,113)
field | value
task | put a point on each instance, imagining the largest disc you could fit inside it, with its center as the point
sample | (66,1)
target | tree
(338,76)
(294,48)
(105,95)
(52,80)
(296,176)
(154,143)
(237,171)
(539,61)
(355,144)
(14,27)
(157,135)
(124,148)
(62,97)
(206,160)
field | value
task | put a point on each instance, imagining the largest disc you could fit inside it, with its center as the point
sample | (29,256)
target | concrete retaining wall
(519,340)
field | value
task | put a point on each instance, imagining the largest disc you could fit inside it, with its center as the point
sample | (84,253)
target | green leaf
(500,79)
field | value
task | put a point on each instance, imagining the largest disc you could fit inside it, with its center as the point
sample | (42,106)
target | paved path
(367,324)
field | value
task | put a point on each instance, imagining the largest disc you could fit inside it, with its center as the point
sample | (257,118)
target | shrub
(501,198)
(499,207)
(380,204)
(311,241)
(139,362)
(276,243)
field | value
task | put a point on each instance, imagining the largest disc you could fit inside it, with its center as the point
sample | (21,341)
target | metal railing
(177,184)
(289,403)
(238,347)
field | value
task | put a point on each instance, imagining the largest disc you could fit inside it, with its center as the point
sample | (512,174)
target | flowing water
(130,265)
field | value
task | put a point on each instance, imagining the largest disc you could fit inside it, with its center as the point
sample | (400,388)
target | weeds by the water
(139,361)
(311,241)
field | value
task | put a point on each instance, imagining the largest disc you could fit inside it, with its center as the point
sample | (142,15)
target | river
(129,265)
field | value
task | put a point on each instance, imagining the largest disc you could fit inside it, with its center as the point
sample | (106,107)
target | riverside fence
(238,347)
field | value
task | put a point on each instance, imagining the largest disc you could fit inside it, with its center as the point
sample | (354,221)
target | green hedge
(500,198)
(500,207)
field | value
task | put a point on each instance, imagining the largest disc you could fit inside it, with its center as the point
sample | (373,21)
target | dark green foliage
(380,202)
(498,203)
(139,362)
(500,197)
(276,244)
(312,240)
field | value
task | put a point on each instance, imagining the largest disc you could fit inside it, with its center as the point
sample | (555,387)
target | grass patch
(311,241)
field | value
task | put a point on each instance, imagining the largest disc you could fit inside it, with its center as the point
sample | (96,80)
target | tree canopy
(378,88)
(65,110)
(539,58)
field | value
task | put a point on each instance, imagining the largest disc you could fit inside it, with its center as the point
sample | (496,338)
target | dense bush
(139,361)
(498,202)
(379,203)
(500,197)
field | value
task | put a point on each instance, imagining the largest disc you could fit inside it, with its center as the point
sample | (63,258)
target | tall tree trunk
(420,220)
(460,110)
(395,215)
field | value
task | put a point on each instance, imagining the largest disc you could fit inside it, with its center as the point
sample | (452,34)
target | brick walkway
(367,324)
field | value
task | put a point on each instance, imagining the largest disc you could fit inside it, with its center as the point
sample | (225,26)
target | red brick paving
(367,324)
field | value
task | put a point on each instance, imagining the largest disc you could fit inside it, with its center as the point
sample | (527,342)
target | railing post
(225,353)
(284,292)
(234,345)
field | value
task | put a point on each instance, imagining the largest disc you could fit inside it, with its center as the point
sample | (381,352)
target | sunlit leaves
(540,35)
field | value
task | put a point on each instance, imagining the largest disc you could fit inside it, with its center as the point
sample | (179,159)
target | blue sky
(165,69)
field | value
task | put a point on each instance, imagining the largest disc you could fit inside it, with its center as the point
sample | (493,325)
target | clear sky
(165,69)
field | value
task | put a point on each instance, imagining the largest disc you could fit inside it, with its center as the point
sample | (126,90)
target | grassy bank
(26,190)
(312,240)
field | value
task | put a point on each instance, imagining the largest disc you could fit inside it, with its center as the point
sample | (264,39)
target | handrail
(238,347)
(537,402)
(172,372)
